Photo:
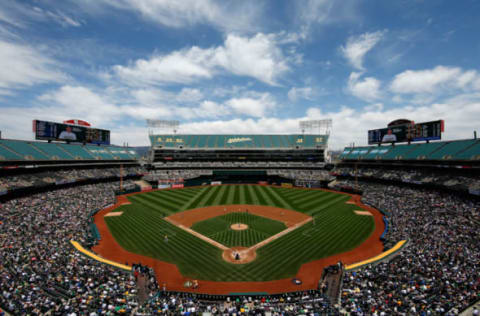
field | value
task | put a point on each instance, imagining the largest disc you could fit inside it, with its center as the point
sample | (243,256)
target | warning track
(169,274)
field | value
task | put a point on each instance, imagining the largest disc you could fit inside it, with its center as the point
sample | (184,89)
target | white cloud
(21,15)
(24,66)
(432,80)
(79,102)
(256,107)
(226,15)
(258,57)
(357,47)
(189,95)
(300,93)
(310,13)
(367,89)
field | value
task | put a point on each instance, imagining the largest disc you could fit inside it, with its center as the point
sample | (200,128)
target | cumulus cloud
(24,66)
(358,46)
(295,93)
(258,57)
(256,107)
(367,89)
(432,80)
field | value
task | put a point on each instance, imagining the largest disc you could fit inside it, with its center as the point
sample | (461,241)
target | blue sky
(239,66)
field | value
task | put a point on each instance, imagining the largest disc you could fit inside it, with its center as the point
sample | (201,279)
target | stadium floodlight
(163,124)
(323,126)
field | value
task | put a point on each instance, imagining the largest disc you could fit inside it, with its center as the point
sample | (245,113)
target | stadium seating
(16,150)
(122,153)
(470,153)
(447,150)
(7,154)
(99,152)
(24,149)
(239,141)
(53,151)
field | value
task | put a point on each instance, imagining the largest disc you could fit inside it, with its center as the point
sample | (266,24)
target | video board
(407,133)
(70,133)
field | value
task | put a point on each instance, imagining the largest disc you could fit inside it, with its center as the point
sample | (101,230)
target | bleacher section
(17,150)
(458,150)
(23,149)
(238,141)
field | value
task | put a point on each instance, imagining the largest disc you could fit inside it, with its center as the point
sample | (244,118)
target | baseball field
(285,227)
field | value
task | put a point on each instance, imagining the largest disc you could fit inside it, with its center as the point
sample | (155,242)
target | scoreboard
(71,133)
(410,132)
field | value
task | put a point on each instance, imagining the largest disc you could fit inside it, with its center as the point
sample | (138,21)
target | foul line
(381,256)
(254,247)
(100,259)
(196,234)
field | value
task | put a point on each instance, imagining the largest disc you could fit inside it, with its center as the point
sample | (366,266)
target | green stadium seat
(345,152)
(357,152)
(258,141)
(99,152)
(449,150)
(422,151)
(211,141)
(267,141)
(470,153)
(77,151)
(7,154)
(53,151)
(121,153)
(397,152)
(202,141)
(24,149)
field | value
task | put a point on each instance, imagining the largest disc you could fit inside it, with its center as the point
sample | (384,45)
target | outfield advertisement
(177,185)
(164,186)
(216,183)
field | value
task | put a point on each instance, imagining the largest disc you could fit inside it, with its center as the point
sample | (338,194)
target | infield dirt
(169,274)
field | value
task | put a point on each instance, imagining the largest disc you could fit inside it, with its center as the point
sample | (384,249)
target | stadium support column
(121,177)
(356,176)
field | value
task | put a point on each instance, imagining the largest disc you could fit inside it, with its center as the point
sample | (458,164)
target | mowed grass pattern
(141,229)
(219,229)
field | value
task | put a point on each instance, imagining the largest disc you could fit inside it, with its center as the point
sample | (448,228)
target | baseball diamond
(156,225)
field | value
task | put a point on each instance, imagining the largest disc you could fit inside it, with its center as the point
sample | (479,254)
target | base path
(309,273)
(190,217)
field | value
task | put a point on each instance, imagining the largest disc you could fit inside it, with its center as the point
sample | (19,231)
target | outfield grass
(218,229)
(337,228)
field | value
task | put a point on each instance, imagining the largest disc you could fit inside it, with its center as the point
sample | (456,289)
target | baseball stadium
(215,218)
(239,158)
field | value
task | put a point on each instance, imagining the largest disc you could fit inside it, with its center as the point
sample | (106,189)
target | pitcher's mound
(239,226)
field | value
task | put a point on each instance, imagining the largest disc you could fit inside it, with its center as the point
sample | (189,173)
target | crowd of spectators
(237,164)
(41,272)
(62,176)
(302,303)
(437,272)
(159,174)
(446,178)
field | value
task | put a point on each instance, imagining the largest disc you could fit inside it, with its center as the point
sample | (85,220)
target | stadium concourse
(45,207)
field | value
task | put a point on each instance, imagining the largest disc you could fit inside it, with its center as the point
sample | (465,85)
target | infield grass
(219,229)
(141,229)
